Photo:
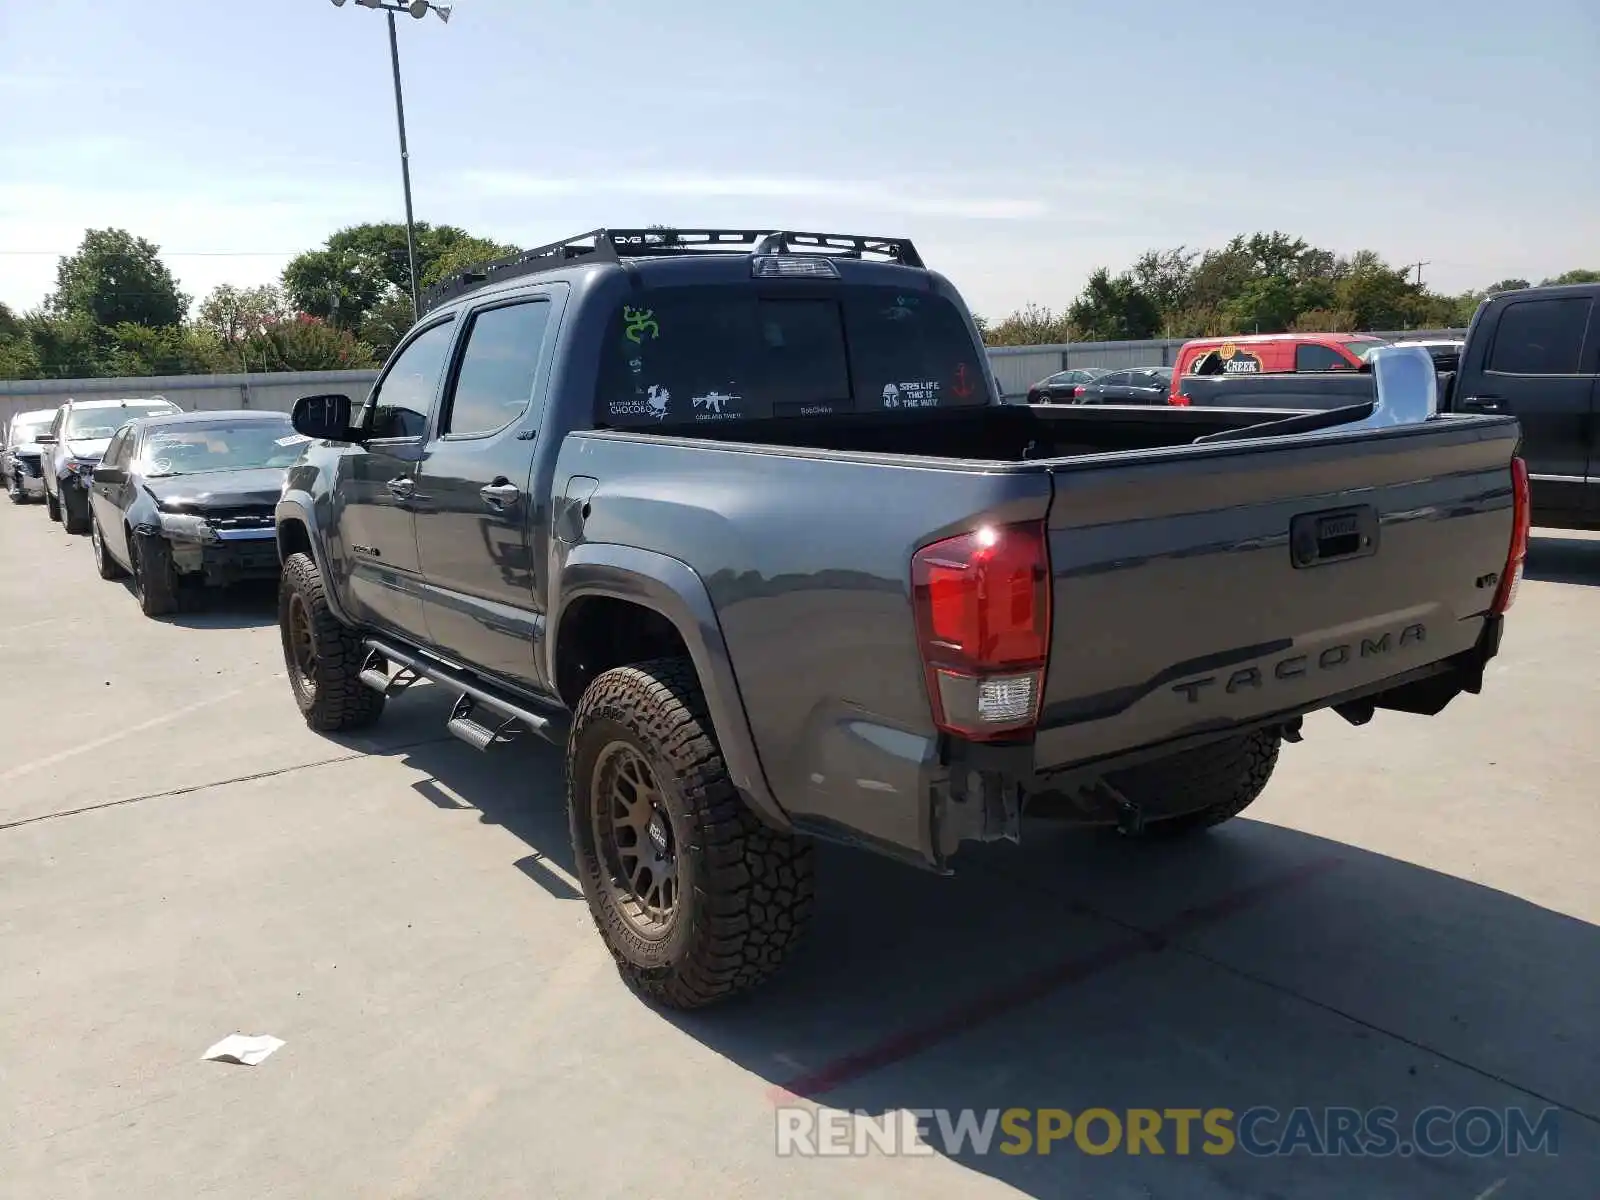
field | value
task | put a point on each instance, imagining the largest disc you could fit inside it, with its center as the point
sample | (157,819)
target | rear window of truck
(678,356)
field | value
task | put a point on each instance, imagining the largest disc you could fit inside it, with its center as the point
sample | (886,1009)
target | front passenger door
(107,501)
(377,521)
(475,510)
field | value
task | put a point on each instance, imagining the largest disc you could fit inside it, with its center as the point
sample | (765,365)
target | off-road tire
(1221,779)
(155,584)
(105,566)
(744,890)
(52,505)
(331,697)
(74,519)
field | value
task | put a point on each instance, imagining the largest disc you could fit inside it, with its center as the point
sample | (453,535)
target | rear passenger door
(1537,364)
(477,518)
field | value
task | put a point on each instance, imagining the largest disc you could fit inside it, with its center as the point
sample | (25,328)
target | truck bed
(1178,609)
(1301,389)
(1003,433)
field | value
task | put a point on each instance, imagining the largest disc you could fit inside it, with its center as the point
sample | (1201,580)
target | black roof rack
(613,245)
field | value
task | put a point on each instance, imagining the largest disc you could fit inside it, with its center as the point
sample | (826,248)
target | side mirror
(104,474)
(45,439)
(324,418)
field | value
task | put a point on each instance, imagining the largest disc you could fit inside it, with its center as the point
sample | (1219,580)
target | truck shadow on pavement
(1256,966)
(1564,560)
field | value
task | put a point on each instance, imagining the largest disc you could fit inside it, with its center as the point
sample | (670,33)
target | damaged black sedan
(185,501)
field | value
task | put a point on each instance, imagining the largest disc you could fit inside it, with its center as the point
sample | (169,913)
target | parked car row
(176,501)
(740,522)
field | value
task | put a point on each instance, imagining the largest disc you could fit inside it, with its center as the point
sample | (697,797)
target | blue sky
(1021,144)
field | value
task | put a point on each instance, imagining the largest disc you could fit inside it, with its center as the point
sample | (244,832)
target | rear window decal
(640,321)
(717,406)
(652,404)
(922,393)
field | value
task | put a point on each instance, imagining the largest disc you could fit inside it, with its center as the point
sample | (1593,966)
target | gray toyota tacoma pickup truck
(738,519)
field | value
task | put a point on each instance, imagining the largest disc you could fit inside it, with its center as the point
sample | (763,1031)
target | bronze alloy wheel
(302,643)
(634,836)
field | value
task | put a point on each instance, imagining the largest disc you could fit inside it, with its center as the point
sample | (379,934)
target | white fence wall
(1015,368)
(276,392)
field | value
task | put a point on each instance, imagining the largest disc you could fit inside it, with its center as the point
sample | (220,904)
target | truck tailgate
(1179,604)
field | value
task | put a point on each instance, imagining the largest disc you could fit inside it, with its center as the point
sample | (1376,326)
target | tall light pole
(418,9)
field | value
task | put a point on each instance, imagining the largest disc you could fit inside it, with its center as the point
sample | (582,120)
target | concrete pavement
(1408,918)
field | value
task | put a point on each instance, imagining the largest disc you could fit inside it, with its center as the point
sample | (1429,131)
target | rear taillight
(1178,400)
(982,603)
(1521,522)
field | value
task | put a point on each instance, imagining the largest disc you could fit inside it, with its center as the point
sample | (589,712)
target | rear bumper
(920,798)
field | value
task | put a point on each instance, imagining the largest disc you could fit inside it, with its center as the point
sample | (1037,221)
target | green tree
(235,314)
(1031,325)
(305,343)
(361,266)
(466,253)
(1113,309)
(1167,277)
(170,350)
(115,278)
(1377,295)
(1578,276)
(1508,285)
(66,345)
(1267,304)
(386,323)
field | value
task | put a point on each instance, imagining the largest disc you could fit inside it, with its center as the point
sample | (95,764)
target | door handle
(402,488)
(500,494)
(1480,403)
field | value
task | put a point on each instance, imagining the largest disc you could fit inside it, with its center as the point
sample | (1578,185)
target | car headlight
(187,525)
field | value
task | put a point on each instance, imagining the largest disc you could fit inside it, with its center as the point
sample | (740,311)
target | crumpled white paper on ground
(242,1048)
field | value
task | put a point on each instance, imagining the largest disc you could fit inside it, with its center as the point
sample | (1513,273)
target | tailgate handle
(1335,535)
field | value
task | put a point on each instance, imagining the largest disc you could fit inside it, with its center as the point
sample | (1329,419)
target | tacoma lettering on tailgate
(1296,666)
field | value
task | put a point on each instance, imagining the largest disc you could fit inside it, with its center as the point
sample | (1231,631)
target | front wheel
(1215,782)
(52,504)
(75,512)
(696,898)
(155,583)
(322,654)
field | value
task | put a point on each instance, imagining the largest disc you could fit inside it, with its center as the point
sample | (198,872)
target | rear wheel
(108,567)
(1215,781)
(695,897)
(18,493)
(322,654)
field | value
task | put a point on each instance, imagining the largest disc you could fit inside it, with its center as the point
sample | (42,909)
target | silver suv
(20,454)
(77,438)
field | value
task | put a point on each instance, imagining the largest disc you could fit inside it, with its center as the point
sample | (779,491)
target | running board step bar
(473,695)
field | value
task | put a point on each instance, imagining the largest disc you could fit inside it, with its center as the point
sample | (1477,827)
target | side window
(130,439)
(494,384)
(1540,337)
(1318,358)
(114,451)
(398,407)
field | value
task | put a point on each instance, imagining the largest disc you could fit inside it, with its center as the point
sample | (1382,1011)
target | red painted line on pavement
(1000,1001)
